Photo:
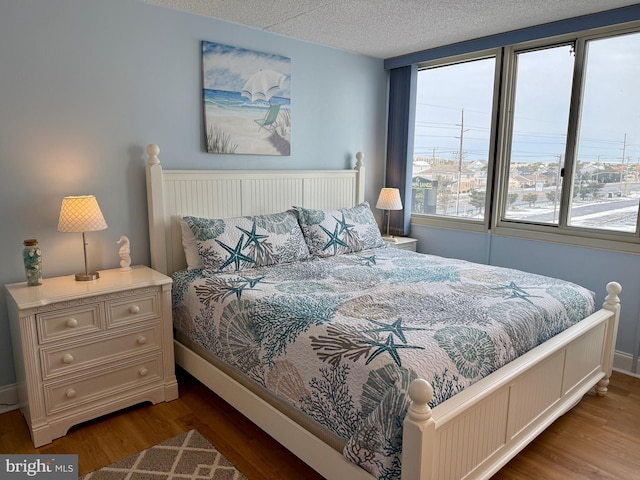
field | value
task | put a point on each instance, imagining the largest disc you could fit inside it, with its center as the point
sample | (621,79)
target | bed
(469,434)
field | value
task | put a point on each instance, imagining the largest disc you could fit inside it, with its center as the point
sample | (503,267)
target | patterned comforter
(341,338)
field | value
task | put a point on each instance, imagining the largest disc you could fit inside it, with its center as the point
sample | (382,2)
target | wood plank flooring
(598,439)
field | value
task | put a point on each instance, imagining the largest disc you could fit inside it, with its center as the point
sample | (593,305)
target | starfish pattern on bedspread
(366,261)
(517,292)
(235,254)
(253,281)
(395,328)
(388,346)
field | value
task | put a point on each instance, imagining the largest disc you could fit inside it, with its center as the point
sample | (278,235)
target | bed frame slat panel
(470,438)
(584,358)
(270,195)
(534,393)
(330,193)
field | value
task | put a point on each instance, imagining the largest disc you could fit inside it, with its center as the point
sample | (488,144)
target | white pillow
(190,246)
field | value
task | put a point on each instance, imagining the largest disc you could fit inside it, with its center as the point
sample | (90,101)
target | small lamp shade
(389,199)
(80,214)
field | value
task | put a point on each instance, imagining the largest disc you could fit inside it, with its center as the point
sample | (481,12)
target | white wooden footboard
(473,434)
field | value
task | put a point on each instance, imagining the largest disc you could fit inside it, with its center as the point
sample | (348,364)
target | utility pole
(624,150)
(462,130)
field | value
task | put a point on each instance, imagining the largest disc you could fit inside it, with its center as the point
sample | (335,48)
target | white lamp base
(390,239)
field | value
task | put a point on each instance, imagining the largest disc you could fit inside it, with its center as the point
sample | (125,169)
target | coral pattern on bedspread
(342,337)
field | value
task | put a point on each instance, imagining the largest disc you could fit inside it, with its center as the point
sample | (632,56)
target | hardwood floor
(598,439)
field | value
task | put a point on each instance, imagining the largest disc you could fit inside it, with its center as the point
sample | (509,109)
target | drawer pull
(67,358)
(142,340)
(70,393)
(134,309)
(72,322)
(142,371)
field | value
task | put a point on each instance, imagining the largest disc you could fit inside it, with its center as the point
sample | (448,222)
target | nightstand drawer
(67,323)
(73,357)
(102,384)
(132,309)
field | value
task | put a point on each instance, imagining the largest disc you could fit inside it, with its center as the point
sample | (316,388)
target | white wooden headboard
(233,193)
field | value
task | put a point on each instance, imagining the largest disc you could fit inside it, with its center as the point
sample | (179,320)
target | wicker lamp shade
(389,199)
(80,214)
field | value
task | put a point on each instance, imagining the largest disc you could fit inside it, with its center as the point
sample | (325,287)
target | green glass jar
(32,256)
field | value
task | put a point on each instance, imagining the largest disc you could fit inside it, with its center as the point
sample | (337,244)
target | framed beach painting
(247,101)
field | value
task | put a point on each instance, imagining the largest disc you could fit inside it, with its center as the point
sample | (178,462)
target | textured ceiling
(388,28)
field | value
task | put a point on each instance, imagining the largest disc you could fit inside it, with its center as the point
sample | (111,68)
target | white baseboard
(8,398)
(623,363)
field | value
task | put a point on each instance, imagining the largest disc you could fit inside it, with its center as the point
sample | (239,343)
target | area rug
(189,456)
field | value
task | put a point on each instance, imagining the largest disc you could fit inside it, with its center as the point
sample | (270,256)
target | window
(541,139)
(606,177)
(540,120)
(451,144)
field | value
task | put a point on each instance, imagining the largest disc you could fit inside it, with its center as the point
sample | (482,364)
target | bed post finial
(612,300)
(359,160)
(153,150)
(420,393)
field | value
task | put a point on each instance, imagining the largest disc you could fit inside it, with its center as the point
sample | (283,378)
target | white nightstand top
(399,240)
(59,289)
(404,243)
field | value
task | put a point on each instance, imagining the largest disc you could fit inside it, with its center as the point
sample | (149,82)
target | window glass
(606,181)
(452,137)
(539,134)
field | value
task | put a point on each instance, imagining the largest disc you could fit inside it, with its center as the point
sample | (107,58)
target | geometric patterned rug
(189,456)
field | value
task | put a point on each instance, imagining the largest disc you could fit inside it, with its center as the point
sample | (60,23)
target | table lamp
(388,200)
(81,214)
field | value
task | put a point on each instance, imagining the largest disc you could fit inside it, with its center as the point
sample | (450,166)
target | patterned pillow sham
(242,243)
(334,232)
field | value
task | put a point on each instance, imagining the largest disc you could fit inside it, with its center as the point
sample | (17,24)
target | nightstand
(84,349)
(404,243)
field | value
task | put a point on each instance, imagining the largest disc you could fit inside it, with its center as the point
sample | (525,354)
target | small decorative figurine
(125,258)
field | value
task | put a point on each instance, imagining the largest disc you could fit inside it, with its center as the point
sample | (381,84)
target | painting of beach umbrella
(263,85)
(247,102)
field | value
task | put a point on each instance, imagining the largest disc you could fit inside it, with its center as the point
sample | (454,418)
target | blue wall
(589,267)
(85,85)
